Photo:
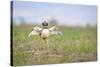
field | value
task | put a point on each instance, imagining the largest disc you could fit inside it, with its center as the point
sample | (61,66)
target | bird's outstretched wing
(54,30)
(36,31)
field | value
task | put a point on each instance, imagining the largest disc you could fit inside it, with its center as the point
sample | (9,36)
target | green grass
(76,45)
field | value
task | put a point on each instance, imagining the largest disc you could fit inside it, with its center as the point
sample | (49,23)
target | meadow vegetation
(78,44)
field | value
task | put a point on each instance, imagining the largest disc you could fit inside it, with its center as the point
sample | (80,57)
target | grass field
(76,45)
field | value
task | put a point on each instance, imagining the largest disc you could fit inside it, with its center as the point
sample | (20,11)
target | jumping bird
(45,31)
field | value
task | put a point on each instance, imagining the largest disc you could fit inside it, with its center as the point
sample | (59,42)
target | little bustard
(45,31)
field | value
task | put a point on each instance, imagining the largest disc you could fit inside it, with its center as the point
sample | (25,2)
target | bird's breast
(45,33)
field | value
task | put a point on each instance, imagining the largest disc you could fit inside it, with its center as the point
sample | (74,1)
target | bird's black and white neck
(45,25)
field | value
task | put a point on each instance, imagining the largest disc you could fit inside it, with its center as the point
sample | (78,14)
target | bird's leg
(45,40)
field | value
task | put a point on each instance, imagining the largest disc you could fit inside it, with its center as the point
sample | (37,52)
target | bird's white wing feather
(36,31)
(37,28)
(56,33)
(54,30)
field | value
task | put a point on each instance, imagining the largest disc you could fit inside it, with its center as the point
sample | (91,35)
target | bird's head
(44,23)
